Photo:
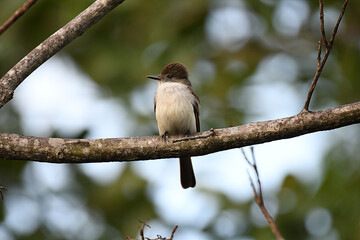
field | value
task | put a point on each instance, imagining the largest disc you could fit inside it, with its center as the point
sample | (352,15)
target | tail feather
(187,175)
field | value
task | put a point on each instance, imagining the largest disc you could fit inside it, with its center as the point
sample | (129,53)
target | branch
(173,232)
(328,46)
(144,224)
(2,188)
(322,25)
(142,227)
(332,38)
(26,6)
(52,45)
(59,150)
(258,196)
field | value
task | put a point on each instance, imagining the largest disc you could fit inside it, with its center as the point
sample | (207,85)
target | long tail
(187,175)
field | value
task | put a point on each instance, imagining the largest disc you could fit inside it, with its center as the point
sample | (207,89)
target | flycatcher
(176,107)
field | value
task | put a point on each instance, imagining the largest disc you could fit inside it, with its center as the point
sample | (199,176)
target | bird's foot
(165,136)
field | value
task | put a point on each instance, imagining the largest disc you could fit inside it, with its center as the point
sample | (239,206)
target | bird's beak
(155,77)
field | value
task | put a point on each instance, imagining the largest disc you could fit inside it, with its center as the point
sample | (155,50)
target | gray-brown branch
(52,45)
(18,13)
(328,47)
(259,197)
(58,150)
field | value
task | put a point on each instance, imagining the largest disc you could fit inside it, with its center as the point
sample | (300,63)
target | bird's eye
(169,75)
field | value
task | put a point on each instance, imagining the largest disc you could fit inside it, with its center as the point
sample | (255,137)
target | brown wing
(197,118)
(196,105)
(155,103)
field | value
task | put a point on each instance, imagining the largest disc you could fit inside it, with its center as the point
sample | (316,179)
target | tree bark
(58,150)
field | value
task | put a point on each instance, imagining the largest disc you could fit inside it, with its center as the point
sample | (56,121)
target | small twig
(328,46)
(18,13)
(319,53)
(322,25)
(173,232)
(258,196)
(158,237)
(2,188)
(144,224)
(188,138)
(257,175)
(332,38)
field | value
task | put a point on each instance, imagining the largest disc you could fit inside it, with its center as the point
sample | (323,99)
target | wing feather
(196,106)
(155,102)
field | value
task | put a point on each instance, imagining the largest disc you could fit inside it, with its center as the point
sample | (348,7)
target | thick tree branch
(52,45)
(58,150)
(18,13)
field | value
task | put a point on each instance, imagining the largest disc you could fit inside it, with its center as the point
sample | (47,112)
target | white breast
(174,109)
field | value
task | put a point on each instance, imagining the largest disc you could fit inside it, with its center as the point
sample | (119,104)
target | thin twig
(328,46)
(2,188)
(159,237)
(322,25)
(257,175)
(173,232)
(144,224)
(258,196)
(26,6)
(332,38)
(188,138)
(319,53)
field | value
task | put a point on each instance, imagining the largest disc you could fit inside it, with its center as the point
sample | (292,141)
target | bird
(176,107)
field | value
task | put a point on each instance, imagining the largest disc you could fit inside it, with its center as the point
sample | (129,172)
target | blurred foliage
(139,38)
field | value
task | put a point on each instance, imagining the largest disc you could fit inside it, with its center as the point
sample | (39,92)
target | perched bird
(176,107)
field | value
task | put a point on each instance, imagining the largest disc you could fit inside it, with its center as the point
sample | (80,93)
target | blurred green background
(248,61)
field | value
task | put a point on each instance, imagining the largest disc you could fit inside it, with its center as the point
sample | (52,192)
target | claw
(165,136)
